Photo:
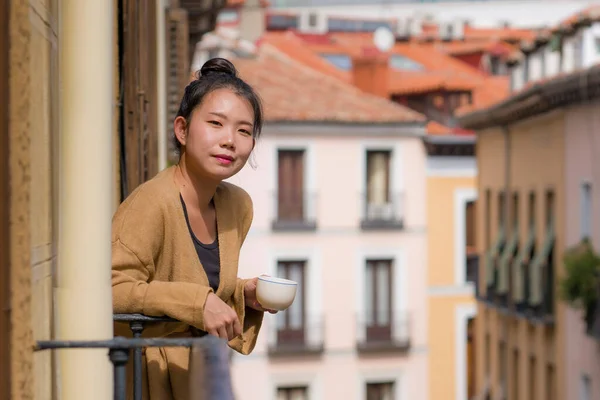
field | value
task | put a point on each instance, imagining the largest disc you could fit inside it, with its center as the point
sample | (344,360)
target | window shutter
(178,64)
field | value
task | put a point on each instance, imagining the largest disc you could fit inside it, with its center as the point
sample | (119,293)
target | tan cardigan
(156,271)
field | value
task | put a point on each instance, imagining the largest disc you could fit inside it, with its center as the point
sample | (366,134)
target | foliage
(579,287)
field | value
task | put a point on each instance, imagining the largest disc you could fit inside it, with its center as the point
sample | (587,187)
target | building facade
(536,185)
(339,206)
(452,265)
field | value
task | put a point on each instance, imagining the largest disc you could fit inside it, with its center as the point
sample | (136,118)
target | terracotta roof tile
(294,92)
(294,46)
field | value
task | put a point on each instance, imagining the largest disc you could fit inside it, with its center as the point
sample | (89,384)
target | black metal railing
(207,358)
(307,338)
(472,273)
(375,334)
(387,214)
(294,210)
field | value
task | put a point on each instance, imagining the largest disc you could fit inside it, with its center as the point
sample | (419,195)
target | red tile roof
(294,92)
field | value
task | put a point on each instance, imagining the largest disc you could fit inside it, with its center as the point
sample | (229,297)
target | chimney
(252,17)
(370,72)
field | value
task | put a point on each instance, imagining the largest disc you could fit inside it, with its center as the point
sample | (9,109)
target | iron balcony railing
(305,337)
(209,358)
(388,214)
(383,333)
(472,273)
(294,210)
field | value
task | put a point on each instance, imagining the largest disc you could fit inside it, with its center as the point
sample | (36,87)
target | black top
(207,253)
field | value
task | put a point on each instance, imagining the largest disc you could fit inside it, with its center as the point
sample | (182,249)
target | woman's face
(218,140)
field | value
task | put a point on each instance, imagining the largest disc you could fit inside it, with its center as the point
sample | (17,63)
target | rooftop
(295,92)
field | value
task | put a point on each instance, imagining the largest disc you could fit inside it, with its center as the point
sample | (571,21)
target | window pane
(378,176)
(383,293)
(295,310)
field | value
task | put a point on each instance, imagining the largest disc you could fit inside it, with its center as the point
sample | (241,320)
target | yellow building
(452,266)
(81,83)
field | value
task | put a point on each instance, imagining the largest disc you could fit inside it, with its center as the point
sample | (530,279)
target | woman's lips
(223,159)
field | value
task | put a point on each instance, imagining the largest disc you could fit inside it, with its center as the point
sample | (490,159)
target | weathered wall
(33,130)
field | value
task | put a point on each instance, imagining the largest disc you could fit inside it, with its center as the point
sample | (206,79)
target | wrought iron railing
(294,210)
(206,350)
(306,338)
(382,215)
(391,333)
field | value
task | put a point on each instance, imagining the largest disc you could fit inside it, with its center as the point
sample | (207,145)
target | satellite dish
(383,38)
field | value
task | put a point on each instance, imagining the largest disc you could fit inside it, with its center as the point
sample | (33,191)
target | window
(597,45)
(515,212)
(501,210)
(515,376)
(531,211)
(290,197)
(586,210)
(470,224)
(533,379)
(292,393)
(342,61)
(402,63)
(585,388)
(488,221)
(550,382)
(549,208)
(502,364)
(578,51)
(378,185)
(471,371)
(291,322)
(488,355)
(380,391)
(312,20)
(378,296)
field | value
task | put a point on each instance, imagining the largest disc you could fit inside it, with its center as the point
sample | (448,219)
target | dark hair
(218,73)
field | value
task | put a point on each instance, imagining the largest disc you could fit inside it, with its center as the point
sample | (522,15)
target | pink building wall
(582,147)
(336,253)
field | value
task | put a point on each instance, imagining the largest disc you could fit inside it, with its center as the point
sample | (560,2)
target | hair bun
(218,65)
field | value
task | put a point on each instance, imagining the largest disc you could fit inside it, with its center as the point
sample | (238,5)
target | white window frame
(462,196)
(313,292)
(399,284)
(310,174)
(376,375)
(462,314)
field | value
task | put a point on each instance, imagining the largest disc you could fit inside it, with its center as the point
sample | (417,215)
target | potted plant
(581,283)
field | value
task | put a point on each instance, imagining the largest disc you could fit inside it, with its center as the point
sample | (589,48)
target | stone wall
(33,131)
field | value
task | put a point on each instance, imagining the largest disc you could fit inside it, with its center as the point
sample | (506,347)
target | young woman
(176,239)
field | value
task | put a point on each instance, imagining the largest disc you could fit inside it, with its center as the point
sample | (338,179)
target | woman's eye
(245,132)
(216,123)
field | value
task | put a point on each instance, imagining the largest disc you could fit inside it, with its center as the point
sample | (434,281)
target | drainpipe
(84,298)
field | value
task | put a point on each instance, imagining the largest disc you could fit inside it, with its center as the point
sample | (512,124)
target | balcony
(388,214)
(294,211)
(209,357)
(472,272)
(390,335)
(304,340)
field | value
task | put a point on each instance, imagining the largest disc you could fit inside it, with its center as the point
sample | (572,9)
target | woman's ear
(180,128)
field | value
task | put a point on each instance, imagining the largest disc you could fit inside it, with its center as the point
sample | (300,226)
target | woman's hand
(250,296)
(219,319)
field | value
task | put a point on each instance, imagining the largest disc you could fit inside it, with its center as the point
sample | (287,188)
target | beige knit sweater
(156,271)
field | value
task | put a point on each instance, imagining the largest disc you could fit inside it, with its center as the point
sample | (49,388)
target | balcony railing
(389,335)
(383,215)
(208,358)
(472,273)
(306,339)
(293,211)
